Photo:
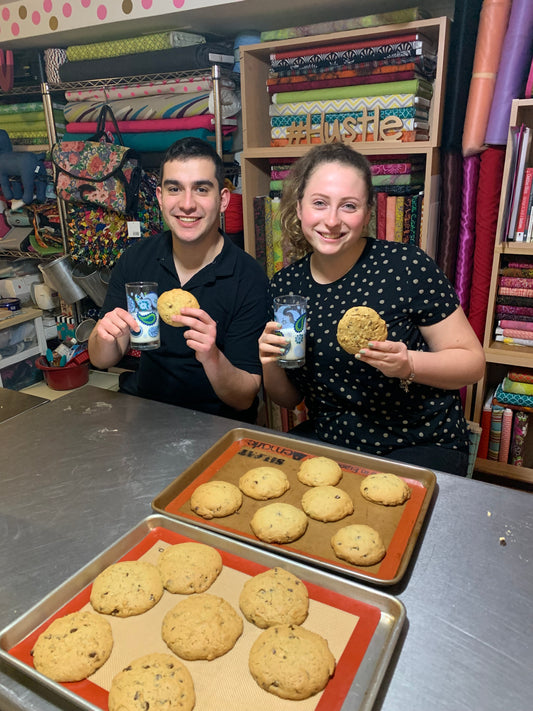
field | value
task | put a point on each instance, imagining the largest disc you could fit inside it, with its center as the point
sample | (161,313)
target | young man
(213,363)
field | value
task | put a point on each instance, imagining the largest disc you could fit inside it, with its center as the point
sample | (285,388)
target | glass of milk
(291,312)
(141,297)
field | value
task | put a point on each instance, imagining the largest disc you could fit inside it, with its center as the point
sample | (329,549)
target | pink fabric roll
(147,125)
(528,94)
(524,325)
(487,205)
(493,23)
(467,232)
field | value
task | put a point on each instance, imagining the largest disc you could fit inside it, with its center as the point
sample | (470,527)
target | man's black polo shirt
(232,290)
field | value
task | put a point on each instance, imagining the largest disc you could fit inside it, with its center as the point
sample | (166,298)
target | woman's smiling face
(334,208)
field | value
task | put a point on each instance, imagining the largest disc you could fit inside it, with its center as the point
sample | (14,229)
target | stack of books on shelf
(505,419)
(518,221)
(376,89)
(514,302)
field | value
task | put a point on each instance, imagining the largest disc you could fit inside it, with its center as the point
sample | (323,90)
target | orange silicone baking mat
(347,623)
(238,452)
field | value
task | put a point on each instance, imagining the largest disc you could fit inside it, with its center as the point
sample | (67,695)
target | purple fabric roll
(467,230)
(512,71)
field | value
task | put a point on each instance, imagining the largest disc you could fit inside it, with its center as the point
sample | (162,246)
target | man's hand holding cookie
(202,330)
(170,304)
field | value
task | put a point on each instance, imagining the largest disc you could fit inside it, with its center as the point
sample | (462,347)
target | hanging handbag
(98,171)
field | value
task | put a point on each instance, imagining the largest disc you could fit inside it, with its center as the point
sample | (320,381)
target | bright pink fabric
(148,125)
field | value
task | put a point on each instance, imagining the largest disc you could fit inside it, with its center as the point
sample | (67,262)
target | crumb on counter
(503,542)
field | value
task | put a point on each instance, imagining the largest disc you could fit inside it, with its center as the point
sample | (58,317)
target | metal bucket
(58,275)
(91,282)
(84,330)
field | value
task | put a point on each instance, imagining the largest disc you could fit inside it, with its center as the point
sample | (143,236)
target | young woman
(396,398)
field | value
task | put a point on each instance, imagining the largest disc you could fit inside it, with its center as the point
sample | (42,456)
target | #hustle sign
(349,130)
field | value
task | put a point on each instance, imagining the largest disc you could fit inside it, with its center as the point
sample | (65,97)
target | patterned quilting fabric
(513,400)
(132,45)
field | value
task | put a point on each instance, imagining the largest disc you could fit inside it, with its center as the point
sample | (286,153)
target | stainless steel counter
(97,458)
(13,403)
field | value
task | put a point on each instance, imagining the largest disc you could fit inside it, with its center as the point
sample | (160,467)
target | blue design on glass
(299,324)
(148,319)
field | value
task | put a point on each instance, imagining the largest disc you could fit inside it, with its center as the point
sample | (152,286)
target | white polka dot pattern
(351,403)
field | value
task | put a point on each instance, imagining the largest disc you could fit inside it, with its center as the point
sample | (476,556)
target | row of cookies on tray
(200,626)
(358,544)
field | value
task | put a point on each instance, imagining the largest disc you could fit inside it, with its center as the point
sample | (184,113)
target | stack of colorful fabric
(279,170)
(514,303)
(151,116)
(399,192)
(516,391)
(348,91)
(25,122)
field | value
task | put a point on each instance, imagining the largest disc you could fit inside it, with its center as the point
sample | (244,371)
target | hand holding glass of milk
(291,313)
(141,297)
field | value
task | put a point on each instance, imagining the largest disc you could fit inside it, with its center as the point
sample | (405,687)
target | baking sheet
(361,625)
(242,449)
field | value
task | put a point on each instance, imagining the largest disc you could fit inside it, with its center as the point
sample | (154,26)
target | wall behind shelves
(58,23)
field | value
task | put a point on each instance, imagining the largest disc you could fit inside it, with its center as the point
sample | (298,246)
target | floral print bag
(98,171)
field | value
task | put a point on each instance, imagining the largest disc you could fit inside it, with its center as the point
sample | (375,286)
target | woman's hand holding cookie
(271,344)
(390,357)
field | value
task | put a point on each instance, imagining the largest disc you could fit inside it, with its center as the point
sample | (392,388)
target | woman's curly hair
(294,243)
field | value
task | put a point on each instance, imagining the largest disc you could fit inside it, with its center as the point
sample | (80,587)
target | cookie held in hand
(170,303)
(358,326)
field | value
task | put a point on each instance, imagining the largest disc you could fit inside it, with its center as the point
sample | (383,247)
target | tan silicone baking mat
(241,450)
(346,622)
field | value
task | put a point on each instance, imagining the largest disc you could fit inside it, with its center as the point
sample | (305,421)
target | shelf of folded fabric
(341,104)
(155,109)
(507,354)
(123,81)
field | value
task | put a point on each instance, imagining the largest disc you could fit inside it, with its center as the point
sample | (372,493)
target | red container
(67,377)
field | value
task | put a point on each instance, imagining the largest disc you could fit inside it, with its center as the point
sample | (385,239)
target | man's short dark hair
(190,147)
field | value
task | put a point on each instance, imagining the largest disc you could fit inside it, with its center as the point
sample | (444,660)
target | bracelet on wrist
(406,382)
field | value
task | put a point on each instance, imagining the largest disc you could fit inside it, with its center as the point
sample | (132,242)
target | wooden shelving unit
(500,356)
(255,62)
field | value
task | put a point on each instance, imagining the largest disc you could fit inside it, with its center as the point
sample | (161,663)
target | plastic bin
(67,377)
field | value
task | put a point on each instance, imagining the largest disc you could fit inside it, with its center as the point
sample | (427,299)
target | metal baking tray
(241,449)
(362,626)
